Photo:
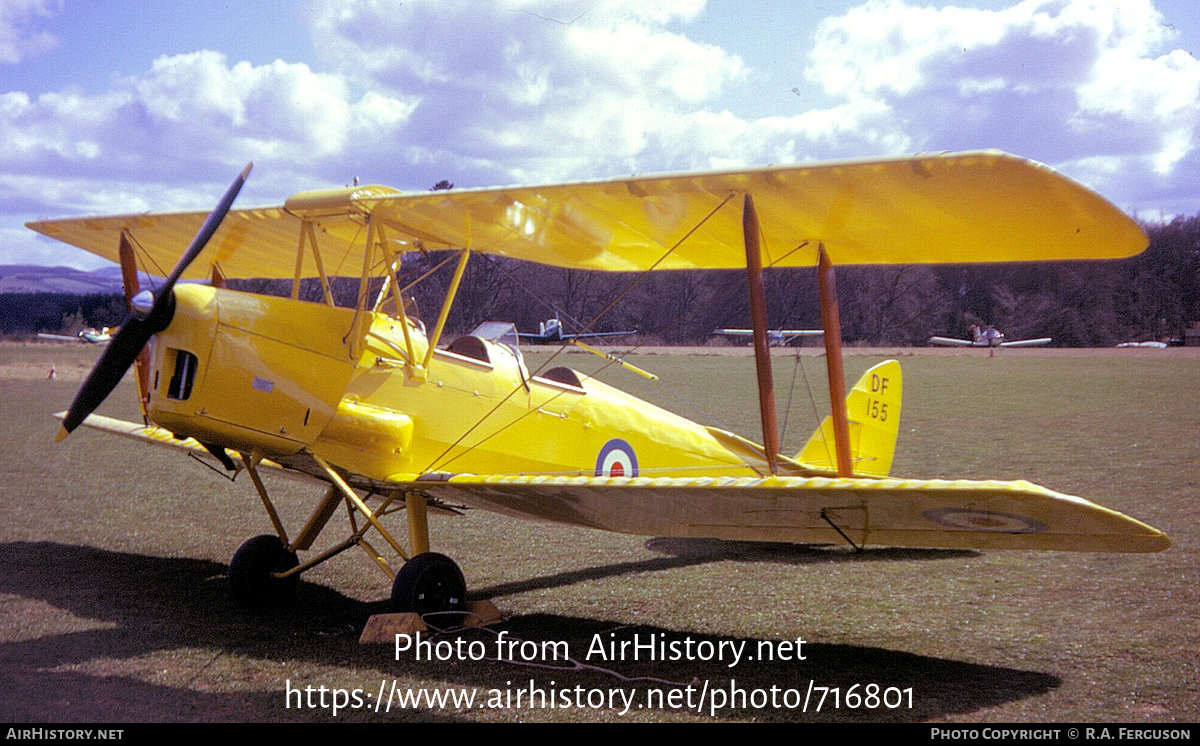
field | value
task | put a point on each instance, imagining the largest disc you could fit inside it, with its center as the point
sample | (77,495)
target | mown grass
(113,603)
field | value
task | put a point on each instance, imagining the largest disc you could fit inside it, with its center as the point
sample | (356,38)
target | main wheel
(250,572)
(429,582)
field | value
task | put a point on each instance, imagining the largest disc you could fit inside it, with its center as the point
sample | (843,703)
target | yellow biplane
(372,403)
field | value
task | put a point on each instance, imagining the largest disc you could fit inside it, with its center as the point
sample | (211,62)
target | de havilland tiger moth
(375,406)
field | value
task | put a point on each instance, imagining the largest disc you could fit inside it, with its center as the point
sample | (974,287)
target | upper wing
(774,333)
(892,512)
(595,335)
(734,332)
(965,207)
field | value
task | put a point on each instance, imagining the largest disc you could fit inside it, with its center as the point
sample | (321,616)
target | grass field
(114,606)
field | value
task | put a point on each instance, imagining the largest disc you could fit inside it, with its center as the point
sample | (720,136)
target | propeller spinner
(151,315)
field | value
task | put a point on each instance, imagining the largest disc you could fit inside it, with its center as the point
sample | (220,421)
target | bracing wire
(147,258)
(632,284)
(787,411)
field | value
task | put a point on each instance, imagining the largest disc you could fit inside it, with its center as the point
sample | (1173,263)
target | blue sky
(155,105)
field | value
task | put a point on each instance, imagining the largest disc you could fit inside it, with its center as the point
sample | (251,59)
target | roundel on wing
(616,459)
(985,520)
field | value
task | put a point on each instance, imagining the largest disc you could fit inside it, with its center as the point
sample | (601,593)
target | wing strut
(451,292)
(825,517)
(129,281)
(833,362)
(762,348)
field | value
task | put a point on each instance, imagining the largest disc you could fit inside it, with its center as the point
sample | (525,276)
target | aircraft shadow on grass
(692,552)
(152,605)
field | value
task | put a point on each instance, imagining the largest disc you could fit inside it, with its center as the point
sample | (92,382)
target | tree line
(1155,295)
(26,314)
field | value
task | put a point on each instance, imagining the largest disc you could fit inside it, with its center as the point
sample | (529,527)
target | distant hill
(26,278)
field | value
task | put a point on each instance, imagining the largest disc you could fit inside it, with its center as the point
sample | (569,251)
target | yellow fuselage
(280,377)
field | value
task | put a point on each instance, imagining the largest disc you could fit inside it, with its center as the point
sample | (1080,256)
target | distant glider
(92,336)
(777,337)
(550,332)
(988,336)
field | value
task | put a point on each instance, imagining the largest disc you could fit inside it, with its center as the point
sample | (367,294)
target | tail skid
(873,406)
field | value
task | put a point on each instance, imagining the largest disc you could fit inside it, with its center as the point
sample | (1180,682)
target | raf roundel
(985,520)
(616,459)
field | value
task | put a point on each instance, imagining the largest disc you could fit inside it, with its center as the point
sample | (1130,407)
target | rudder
(873,408)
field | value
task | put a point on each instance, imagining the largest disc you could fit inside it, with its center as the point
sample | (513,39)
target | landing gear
(251,572)
(265,570)
(427,583)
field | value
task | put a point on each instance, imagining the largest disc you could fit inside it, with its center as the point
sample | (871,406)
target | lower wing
(157,436)
(950,342)
(1027,342)
(891,512)
(958,514)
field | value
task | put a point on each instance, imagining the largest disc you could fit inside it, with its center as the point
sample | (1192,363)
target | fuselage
(986,337)
(281,377)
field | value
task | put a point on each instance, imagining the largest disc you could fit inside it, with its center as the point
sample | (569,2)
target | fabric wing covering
(964,207)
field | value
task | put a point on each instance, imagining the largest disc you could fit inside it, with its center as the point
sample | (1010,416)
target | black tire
(428,583)
(250,571)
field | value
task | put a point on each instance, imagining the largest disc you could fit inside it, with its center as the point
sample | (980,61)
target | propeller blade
(123,350)
(211,223)
(108,372)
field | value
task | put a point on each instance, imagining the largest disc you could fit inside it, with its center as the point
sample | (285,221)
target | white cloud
(532,90)
(528,88)
(281,110)
(189,119)
(412,92)
(1083,84)
(18,37)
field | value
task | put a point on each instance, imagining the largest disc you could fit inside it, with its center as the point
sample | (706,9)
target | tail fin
(873,406)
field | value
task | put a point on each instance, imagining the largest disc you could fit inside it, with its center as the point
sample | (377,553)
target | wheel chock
(383,628)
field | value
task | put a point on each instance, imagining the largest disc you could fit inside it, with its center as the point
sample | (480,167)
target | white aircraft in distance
(776,337)
(988,336)
(550,332)
(94,336)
